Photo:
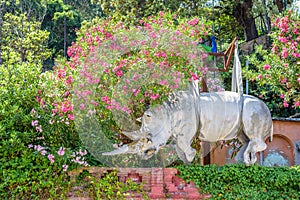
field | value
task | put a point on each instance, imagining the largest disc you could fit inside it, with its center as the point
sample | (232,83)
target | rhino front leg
(187,150)
(181,155)
(244,140)
(183,146)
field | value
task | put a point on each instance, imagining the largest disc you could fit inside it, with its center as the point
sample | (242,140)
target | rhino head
(153,134)
(175,117)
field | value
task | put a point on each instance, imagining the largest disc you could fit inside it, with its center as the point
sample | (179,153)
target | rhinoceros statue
(217,116)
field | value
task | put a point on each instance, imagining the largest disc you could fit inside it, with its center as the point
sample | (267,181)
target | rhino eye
(147,115)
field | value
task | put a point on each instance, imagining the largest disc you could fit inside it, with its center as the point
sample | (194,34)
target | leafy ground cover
(241,182)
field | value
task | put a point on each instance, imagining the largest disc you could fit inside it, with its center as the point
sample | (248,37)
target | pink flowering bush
(112,68)
(276,71)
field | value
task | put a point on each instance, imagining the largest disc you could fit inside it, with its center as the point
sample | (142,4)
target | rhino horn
(134,135)
(135,147)
(121,150)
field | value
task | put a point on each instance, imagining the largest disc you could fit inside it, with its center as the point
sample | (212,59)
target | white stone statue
(217,116)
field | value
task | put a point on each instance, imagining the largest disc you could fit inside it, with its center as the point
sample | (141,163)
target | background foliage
(275,73)
(38,139)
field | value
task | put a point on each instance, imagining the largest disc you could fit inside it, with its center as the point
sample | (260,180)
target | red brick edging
(158,183)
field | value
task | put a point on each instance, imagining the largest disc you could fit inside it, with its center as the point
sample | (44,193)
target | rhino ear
(134,135)
(139,119)
(172,97)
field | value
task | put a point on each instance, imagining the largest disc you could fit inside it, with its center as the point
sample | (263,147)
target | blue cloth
(213,44)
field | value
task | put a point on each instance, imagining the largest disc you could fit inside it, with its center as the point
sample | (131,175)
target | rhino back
(220,115)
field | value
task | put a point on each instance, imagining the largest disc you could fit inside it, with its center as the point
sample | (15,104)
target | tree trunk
(2,11)
(266,17)
(280,5)
(242,13)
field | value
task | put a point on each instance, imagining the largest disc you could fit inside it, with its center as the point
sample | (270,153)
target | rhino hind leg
(244,140)
(240,154)
(255,145)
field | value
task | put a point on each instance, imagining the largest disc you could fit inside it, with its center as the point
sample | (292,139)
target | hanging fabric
(237,82)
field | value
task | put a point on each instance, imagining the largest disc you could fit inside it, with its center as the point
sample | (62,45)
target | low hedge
(241,182)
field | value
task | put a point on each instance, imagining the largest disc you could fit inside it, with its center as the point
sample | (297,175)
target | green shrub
(108,187)
(25,173)
(28,175)
(241,182)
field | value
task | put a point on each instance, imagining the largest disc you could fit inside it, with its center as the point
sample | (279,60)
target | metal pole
(247,82)
(261,158)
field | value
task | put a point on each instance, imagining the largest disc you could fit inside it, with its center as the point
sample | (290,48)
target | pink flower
(61,73)
(106,70)
(163,82)
(194,76)
(177,32)
(105,98)
(32,112)
(295,31)
(282,96)
(38,147)
(82,107)
(39,129)
(119,73)
(154,96)
(298,80)
(69,80)
(38,99)
(297,103)
(30,146)
(285,104)
(192,33)
(71,116)
(34,123)
(260,76)
(61,151)
(283,39)
(82,153)
(136,91)
(284,53)
(43,152)
(267,66)
(65,107)
(51,158)
(193,22)
(65,168)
